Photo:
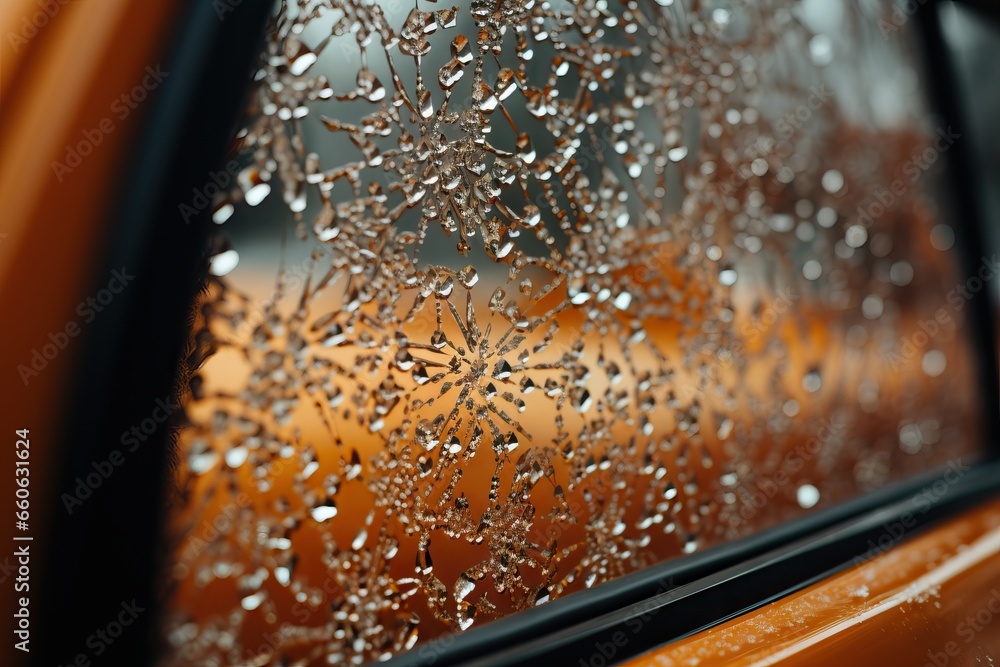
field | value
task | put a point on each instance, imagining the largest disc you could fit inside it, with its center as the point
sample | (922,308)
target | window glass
(512,298)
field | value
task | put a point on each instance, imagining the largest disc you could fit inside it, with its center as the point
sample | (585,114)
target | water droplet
(223,212)
(856,236)
(942,237)
(463,587)
(202,458)
(359,540)
(450,74)
(677,154)
(301,61)
(224,262)
(812,270)
(807,496)
(253,601)
(325,511)
(236,456)
(833,181)
(872,307)
(821,50)
(933,363)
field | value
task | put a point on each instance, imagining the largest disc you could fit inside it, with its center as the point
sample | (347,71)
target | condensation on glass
(517,297)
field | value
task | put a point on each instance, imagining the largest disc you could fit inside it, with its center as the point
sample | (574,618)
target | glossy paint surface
(65,66)
(933,600)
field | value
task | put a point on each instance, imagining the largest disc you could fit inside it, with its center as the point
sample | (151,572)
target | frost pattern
(591,287)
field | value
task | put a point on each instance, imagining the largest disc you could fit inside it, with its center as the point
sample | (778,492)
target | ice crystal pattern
(590,287)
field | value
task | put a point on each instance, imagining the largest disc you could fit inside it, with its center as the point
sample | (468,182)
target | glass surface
(513,298)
